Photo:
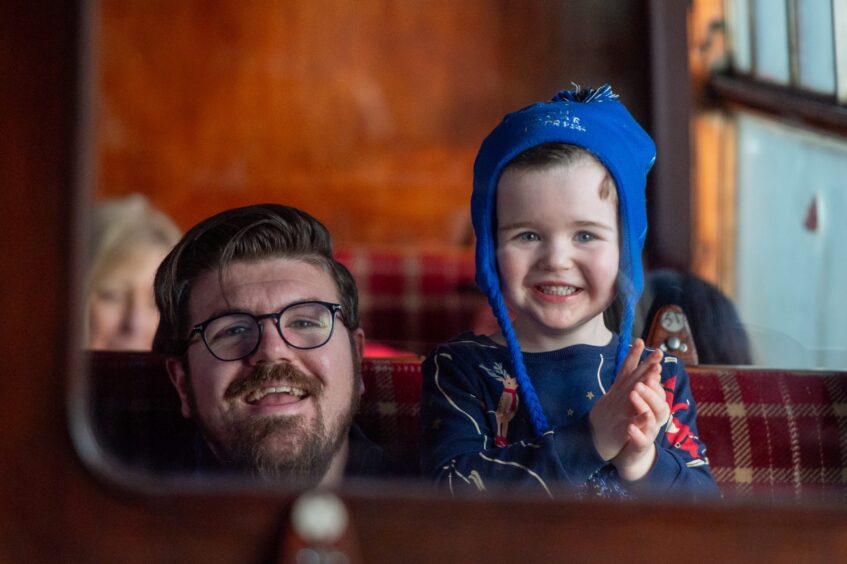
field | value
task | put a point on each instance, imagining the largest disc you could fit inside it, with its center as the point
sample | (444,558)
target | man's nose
(272,347)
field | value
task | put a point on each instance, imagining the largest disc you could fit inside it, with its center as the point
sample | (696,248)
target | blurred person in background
(719,336)
(128,240)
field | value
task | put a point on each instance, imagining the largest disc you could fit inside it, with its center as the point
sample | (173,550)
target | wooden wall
(368,114)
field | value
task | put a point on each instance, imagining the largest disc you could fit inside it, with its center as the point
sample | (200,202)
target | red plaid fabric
(774,433)
(136,411)
(390,410)
(769,433)
(420,297)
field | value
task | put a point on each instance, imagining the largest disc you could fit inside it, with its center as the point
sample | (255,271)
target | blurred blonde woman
(129,238)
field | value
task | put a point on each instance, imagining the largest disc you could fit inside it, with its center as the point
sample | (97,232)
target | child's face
(557,252)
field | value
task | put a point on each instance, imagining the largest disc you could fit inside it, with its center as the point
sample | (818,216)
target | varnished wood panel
(367,114)
(713,221)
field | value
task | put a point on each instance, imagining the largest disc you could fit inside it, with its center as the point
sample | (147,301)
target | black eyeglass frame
(200,328)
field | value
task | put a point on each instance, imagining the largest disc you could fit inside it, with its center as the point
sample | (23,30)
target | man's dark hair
(251,233)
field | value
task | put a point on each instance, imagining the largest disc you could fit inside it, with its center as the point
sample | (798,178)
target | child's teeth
(558,290)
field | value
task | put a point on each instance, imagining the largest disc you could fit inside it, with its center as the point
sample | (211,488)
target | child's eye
(528,236)
(585,237)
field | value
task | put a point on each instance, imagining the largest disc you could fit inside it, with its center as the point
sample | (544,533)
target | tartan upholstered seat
(136,411)
(773,433)
(781,434)
(417,297)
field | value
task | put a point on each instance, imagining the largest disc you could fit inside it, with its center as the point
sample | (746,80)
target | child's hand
(613,413)
(639,453)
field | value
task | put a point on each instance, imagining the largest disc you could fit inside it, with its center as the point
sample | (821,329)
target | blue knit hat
(597,122)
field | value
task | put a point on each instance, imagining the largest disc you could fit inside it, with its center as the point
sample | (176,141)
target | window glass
(839,25)
(738,15)
(815,45)
(790,263)
(771,40)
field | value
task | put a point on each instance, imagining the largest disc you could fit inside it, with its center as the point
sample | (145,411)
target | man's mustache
(278,373)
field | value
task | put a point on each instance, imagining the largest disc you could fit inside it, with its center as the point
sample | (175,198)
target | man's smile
(275,395)
(274,384)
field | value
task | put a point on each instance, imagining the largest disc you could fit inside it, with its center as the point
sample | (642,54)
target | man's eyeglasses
(303,325)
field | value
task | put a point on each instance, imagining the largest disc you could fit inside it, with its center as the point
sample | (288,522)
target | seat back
(418,297)
(772,433)
(390,410)
(136,411)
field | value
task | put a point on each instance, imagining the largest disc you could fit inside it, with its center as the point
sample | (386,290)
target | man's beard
(280,447)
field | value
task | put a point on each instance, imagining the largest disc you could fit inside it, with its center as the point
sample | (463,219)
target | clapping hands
(627,419)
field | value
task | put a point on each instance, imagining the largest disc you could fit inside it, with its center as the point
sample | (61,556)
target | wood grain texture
(366,114)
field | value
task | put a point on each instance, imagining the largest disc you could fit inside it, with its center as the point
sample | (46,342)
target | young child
(556,397)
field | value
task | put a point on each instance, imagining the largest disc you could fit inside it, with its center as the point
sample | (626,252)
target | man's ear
(179,378)
(359,342)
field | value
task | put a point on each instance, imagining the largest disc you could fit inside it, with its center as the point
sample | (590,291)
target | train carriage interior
(368,115)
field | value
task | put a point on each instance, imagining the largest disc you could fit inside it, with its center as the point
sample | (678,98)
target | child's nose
(557,255)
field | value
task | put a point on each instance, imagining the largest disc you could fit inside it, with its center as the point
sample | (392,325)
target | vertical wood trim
(714,222)
(80,424)
(705,191)
(38,63)
(669,205)
(728,206)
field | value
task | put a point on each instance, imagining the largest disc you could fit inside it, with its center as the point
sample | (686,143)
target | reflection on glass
(771,40)
(791,268)
(259,133)
(128,240)
(815,45)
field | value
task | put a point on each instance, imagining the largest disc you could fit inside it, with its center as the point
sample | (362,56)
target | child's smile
(557,253)
(556,290)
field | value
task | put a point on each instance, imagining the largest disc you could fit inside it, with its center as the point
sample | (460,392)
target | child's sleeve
(682,467)
(459,437)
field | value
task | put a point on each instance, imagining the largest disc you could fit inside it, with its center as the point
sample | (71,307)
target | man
(260,326)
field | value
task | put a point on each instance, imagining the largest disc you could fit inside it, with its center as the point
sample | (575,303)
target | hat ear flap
(525,387)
